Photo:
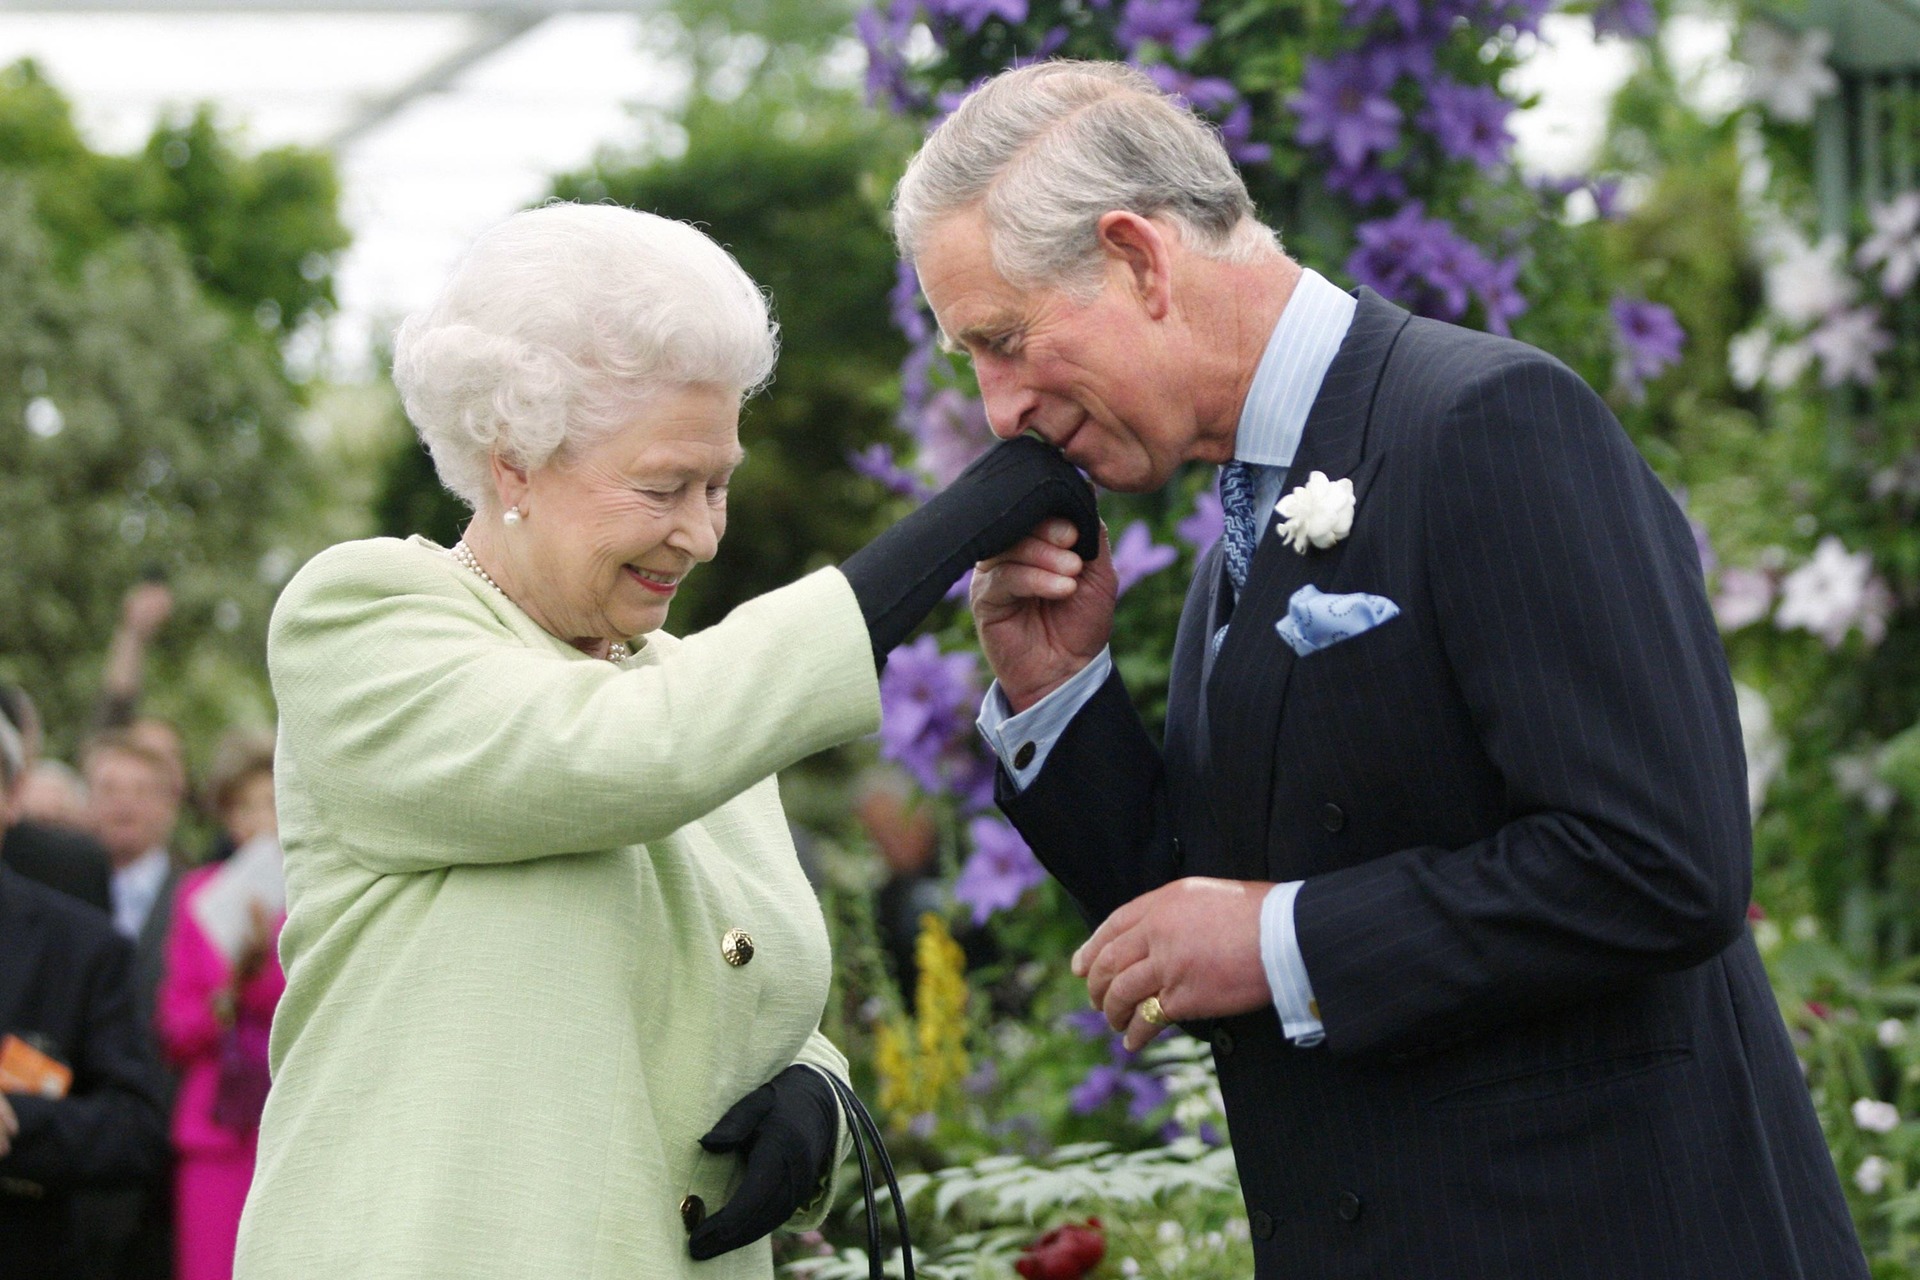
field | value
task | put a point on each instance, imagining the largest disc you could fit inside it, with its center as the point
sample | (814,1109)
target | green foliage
(146,422)
(259,231)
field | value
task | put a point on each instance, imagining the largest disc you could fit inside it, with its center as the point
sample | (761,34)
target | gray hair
(13,760)
(1046,149)
(557,326)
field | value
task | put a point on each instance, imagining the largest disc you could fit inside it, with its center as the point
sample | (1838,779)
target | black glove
(788,1132)
(901,575)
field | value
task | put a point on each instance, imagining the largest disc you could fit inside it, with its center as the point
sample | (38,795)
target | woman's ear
(509,485)
(1143,249)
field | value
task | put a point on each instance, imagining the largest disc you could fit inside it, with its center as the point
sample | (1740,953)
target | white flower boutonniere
(1318,513)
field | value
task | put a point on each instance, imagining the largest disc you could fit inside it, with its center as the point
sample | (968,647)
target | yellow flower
(922,1060)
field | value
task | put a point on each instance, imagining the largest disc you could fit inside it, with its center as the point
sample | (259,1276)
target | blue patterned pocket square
(1315,619)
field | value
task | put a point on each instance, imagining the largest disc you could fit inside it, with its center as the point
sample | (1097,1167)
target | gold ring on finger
(1151,1013)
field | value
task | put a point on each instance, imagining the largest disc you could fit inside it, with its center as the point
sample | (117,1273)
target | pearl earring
(512,517)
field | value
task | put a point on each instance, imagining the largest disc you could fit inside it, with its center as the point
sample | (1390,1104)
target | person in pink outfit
(213,1012)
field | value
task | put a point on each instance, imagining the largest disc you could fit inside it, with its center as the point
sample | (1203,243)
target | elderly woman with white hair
(554,976)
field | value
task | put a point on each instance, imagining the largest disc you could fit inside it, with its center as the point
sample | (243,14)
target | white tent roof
(450,114)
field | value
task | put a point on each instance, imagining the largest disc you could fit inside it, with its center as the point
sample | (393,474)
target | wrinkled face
(609,531)
(133,804)
(1097,379)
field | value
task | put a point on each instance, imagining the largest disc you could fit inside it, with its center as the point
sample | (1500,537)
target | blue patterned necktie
(1237,480)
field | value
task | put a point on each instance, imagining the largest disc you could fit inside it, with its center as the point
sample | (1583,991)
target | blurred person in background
(55,794)
(216,1005)
(903,833)
(136,803)
(57,855)
(81,1098)
(143,611)
(554,975)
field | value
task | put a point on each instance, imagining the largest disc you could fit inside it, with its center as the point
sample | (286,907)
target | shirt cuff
(1287,969)
(1024,741)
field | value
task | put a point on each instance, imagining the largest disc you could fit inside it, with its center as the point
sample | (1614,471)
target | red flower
(1064,1253)
(1755,911)
(1819,1011)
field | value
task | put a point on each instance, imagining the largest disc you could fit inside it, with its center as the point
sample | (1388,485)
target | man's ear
(509,484)
(1143,249)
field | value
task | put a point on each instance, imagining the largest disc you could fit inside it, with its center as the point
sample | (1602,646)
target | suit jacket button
(1332,817)
(1348,1206)
(1223,1042)
(1024,756)
(1262,1223)
(736,948)
(1179,852)
(693,1211)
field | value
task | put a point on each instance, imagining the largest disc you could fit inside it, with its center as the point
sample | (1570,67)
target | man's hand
(9,1126)
(1194,943)
(1042,612)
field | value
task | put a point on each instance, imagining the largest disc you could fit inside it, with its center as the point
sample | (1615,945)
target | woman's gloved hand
(787,1132)
(901,575)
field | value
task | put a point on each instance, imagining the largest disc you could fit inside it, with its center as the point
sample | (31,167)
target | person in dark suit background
(136,795)
(64,991)
(68,860)
(1446,849)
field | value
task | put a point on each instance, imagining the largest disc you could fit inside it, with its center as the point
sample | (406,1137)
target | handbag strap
(860,1124)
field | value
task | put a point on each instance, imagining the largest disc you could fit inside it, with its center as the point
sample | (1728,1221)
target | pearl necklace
(463,556)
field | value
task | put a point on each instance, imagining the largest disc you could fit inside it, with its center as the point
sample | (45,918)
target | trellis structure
(1869,133)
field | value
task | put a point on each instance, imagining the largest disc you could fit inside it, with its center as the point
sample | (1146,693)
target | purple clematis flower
(1136,555)
(1606,198)
(876,462)
(926,701)
(1343,105)
(1409,56)
(1424,264)
(1090,1023)
(1236,134)
(971,15)
(1149,1094)
(883,35)
(1405,12)
(1217,99)
(903,303)
(952,431)
(1368,184)
(1632,19)
(1499,294)
(1174,25)
(1000,870)
(1203,528)
(1209,95)
(1650,340)
(1469,121)
(1092,1093)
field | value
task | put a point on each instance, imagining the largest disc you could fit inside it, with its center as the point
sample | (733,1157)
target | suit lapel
(1247,687)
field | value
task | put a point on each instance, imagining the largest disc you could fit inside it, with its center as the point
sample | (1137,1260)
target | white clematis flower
(1894,246)
(1319,513)
(1875,1116)
(1787,73)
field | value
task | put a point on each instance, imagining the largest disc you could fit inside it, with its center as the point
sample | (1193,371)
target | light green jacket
(509,870)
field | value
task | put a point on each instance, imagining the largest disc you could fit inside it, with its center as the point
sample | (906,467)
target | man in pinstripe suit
(1446,849)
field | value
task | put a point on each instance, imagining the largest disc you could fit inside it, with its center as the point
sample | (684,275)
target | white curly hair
(557,326)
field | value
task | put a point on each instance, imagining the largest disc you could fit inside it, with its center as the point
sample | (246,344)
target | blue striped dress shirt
(1308,334)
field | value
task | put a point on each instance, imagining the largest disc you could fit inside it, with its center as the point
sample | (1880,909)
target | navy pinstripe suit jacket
(1520,811)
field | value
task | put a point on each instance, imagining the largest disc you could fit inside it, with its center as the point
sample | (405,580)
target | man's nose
(1009,404)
